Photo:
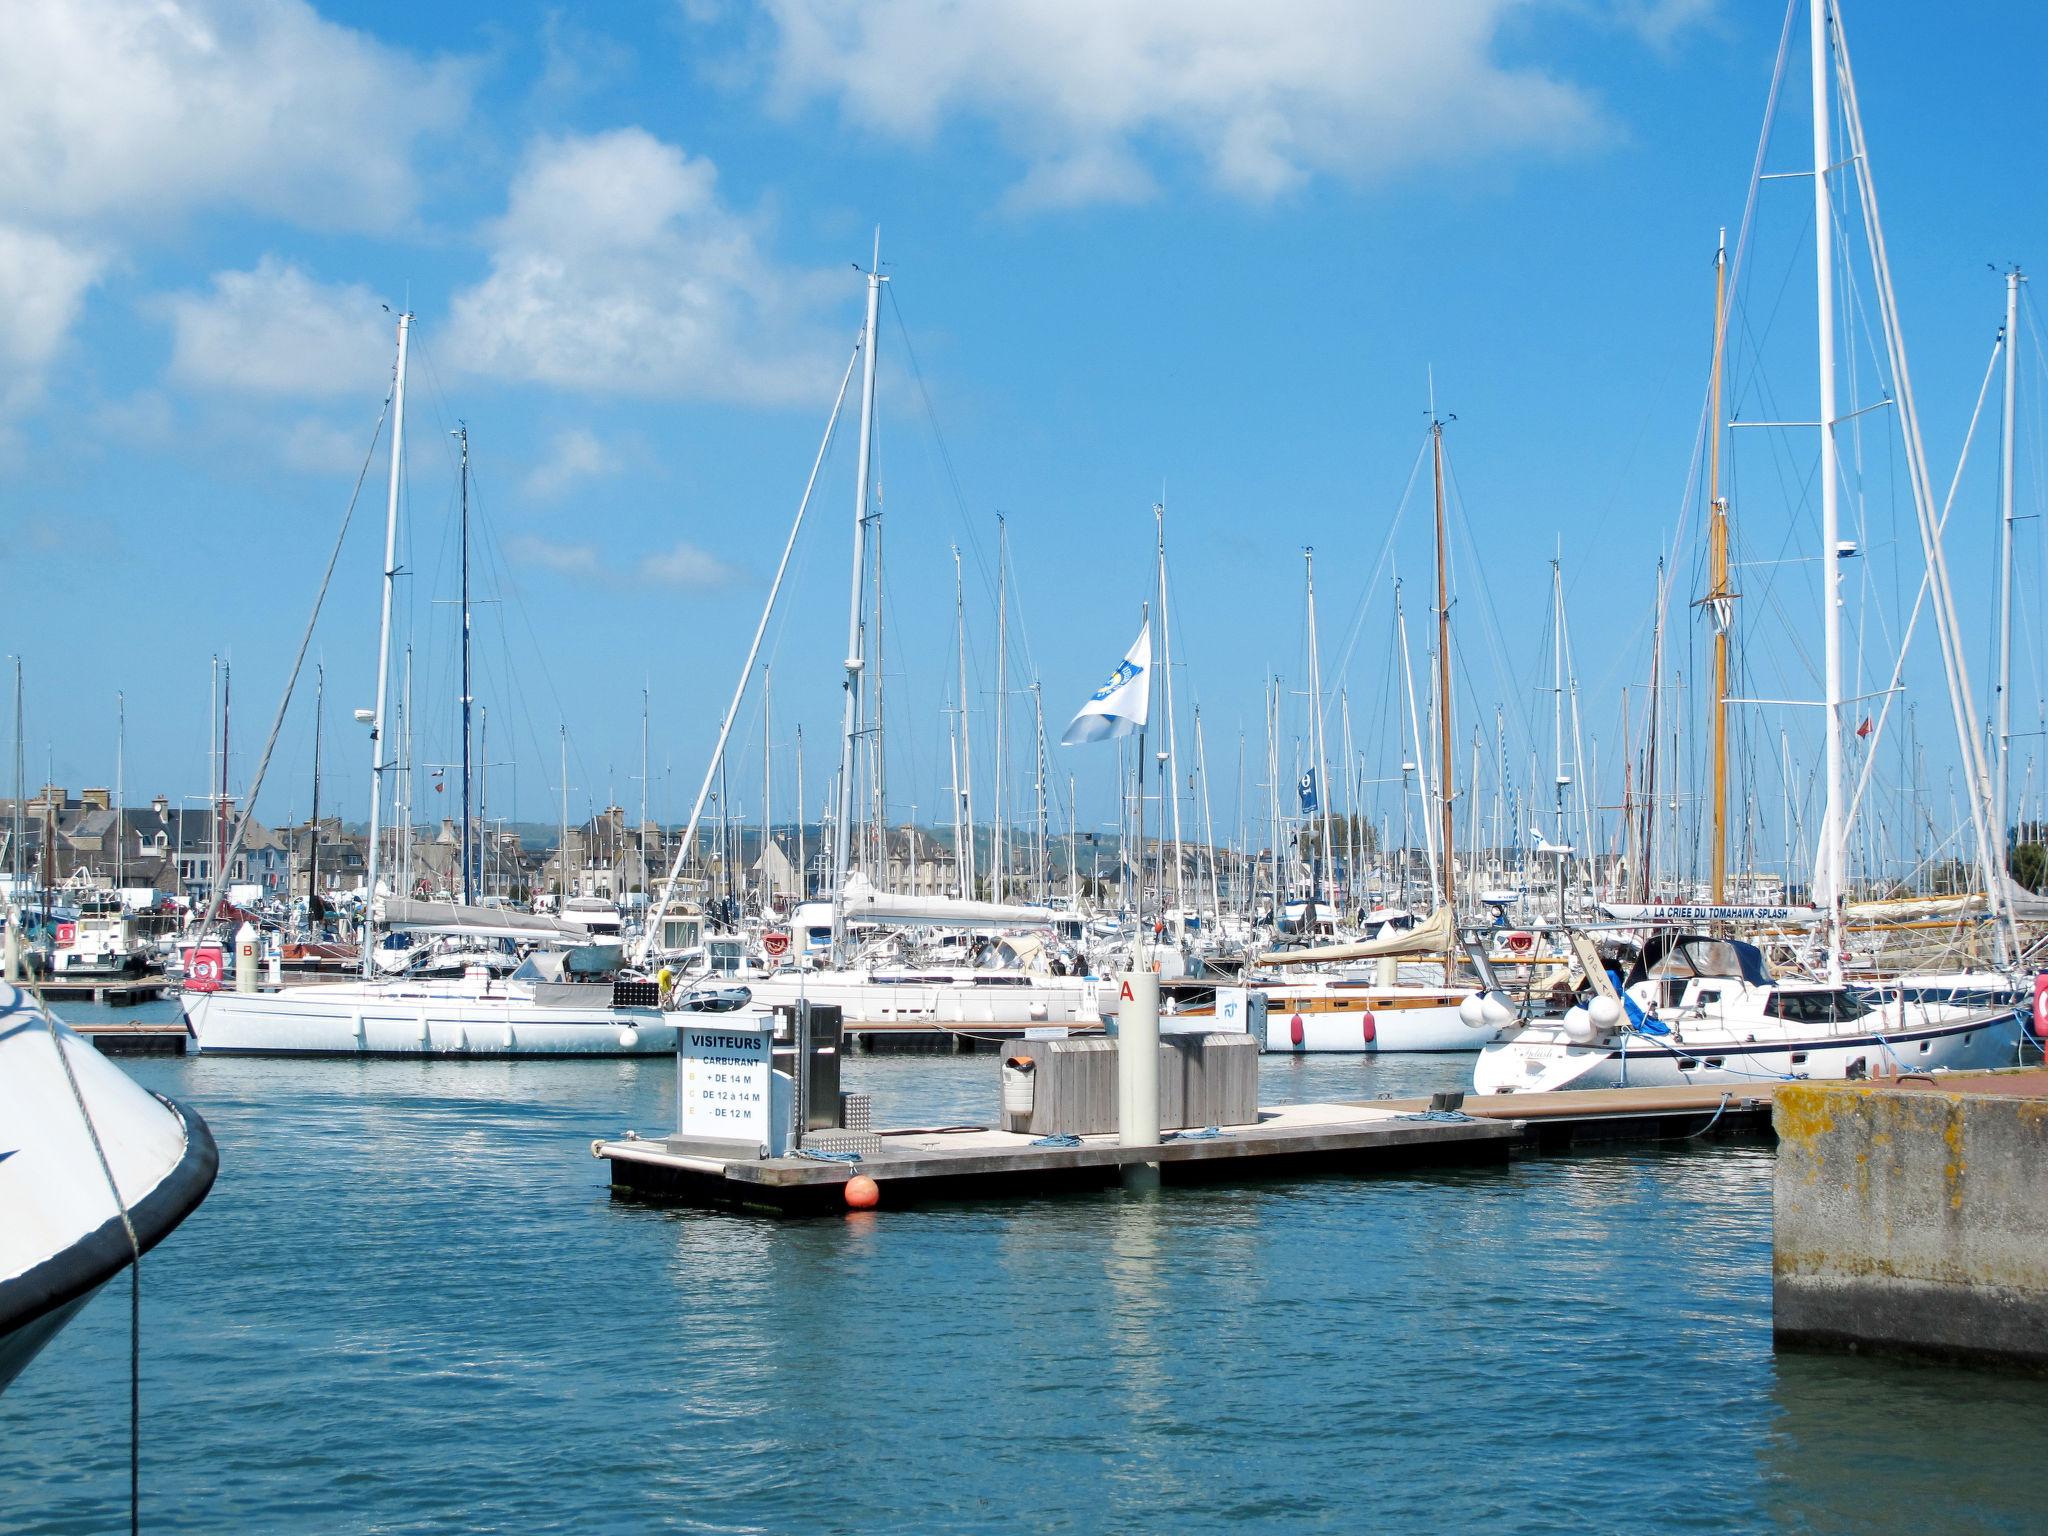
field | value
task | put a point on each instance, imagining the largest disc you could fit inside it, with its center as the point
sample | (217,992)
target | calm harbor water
(410,1305)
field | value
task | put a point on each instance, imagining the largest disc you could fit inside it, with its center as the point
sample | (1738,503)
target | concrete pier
(1910,1216)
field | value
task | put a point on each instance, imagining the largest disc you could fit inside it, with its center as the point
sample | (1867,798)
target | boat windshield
(1820,1006)
(1688,955)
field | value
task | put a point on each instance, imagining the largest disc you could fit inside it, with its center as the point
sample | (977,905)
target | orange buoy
(862,1193)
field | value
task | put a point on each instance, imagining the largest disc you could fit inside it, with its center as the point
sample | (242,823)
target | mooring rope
(134,1276)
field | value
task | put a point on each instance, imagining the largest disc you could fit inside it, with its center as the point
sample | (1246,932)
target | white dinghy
(70,1121)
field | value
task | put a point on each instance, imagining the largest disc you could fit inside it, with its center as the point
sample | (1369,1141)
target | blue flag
(1307,789)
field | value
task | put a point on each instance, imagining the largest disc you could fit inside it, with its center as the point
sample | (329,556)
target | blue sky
(1216,249)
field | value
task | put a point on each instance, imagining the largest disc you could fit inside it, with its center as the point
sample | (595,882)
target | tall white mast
(1169,758)
(1321,883)
(999,831)
(767,796)
(2002,792)
(963,845)
(842,824)
(1831,883)
(120,791)
(377,763)
(1415,734)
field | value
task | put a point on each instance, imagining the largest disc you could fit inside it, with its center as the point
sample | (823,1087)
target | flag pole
(1137,1020)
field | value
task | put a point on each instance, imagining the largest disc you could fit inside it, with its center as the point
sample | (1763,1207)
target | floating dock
(168,1038)
(1360,1137)
(917,1164)
(109,991)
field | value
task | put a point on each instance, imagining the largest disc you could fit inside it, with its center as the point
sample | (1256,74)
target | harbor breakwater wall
(1912,1220)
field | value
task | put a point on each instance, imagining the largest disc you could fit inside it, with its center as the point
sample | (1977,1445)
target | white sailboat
(825,964)
(1703,1010)
(539,1010)
(63,1233)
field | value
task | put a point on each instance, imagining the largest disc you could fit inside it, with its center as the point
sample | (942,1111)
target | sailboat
(1696,1008)
(544,1008)
(827,960)
(74,1129)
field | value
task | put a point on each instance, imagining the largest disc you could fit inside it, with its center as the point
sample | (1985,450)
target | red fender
(1295,1032)
(2041,1007)
(1372,1030)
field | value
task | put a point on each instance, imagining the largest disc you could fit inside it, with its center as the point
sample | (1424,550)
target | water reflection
(1883,1446)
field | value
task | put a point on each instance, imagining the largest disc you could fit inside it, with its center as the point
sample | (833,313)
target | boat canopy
(1692,954)
(1437,936)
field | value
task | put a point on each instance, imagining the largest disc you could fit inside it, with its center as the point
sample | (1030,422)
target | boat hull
(350,1019)
(1072,1001)
(61,1236)
(1425,1030)
(1540,1060)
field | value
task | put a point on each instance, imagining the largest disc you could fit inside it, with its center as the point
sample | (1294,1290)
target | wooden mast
(1720,599)
(1446,782)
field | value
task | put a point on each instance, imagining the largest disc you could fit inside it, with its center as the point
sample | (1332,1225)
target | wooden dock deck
(917,1164)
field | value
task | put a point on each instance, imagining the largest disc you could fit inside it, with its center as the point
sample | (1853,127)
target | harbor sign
(722,1082)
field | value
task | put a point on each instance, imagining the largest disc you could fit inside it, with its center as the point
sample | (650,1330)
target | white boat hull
(61,1233)
(958,1002)
(1371,1031)
(395,1019)
(1542,1059)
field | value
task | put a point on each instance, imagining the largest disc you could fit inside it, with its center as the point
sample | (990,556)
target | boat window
(1816,1007)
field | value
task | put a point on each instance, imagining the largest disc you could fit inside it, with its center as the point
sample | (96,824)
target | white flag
(1118,706)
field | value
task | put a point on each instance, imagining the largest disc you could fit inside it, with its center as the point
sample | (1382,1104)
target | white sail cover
(860,902)
(1437,936)
(479,922)
(1118,707)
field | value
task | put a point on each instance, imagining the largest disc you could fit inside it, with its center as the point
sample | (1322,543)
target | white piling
(246,947)
(11,946)
(1137,1074)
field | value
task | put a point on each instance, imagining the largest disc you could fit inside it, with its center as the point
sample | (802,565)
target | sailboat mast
(2002,790)
(120,791)
(1321,873)
(313,859)
(999,832)
(963,844)
(842,825)
(767,786)
(562,847)
(377,763)
(1832,881)
(468,892)
(1415,735)
(1720,598)
(1447,781)
(1169,761)
(220,804)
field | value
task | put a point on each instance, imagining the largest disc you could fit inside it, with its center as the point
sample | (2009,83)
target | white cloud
(276,331)
(43,282)
(688,566)
(563,559)
(683,565)
(118,111)
(617,269)
(317,446)
(573,456)
(1263,96)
